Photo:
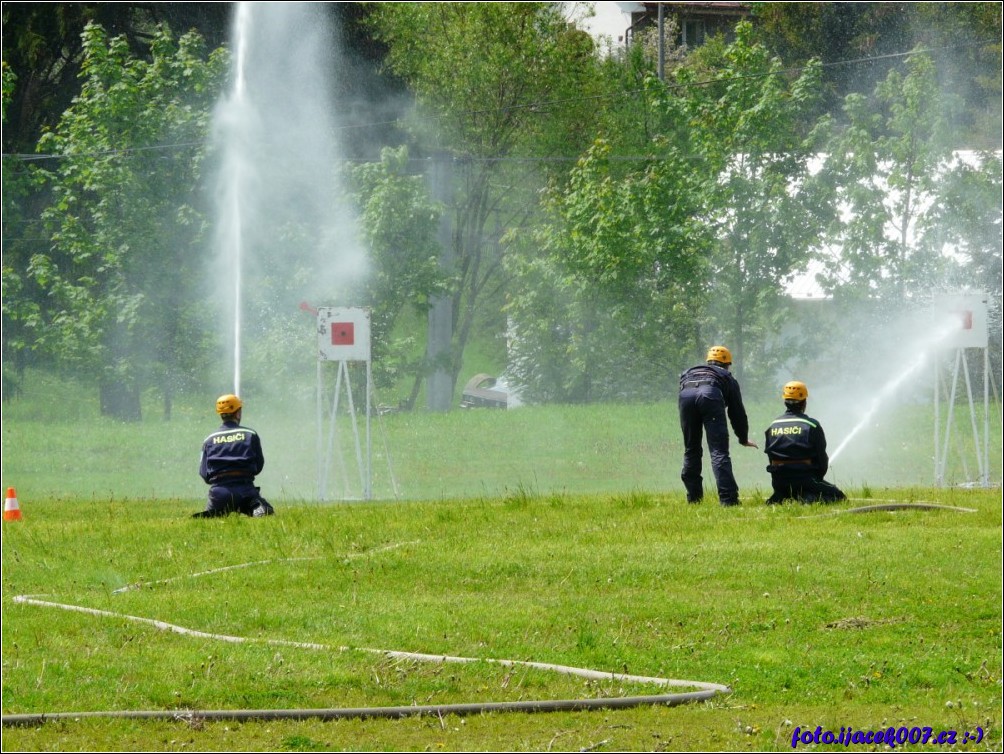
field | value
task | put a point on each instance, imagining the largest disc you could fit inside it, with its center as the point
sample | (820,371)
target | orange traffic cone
(11,510)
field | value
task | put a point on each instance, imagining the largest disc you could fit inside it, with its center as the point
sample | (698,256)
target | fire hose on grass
(892,505)
(705,691)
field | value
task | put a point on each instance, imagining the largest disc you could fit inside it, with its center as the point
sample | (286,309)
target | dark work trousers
(702,409)
(238,496)
(801,485)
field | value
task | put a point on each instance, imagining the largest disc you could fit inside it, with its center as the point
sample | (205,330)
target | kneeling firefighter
(231,458)
(796,447)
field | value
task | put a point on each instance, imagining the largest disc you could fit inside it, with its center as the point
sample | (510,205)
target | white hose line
(350,556)
(893,505)
(421,656)
(164,626)
(707,690)
(901,502)
(144,584)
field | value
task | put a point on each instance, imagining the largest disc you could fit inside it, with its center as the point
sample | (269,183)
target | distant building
(696,21)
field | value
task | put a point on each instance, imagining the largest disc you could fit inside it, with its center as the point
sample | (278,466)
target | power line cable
(540,107)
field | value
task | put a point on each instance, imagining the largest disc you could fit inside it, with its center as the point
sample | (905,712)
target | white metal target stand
(970,312)
(343,336)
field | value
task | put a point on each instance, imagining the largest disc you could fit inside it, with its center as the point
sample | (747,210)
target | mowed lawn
(865,616)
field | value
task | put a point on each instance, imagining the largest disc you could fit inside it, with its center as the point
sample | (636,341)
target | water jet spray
(890,389)
(230,117)
(951,323)
(284,228)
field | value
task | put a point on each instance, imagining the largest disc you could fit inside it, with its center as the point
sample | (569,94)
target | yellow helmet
(795,391)
(228,404)
(720,354)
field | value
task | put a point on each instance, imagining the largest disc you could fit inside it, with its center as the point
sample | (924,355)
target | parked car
(481,392)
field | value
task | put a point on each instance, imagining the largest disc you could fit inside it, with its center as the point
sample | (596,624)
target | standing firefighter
(796,447)
(709,393)
(231,459)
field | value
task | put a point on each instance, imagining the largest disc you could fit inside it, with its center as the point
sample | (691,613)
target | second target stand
(343,338)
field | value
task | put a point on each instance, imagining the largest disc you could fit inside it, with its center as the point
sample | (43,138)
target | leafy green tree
(43,54)
(126,238)
(43,45)
(752,122)
(609,285)
(689,240)
(859,44)
(20,299)
(881,173)
(399,223)
(913,215)
(965,220)
(493,82)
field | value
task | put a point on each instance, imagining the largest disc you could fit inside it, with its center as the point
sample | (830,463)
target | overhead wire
(532,106)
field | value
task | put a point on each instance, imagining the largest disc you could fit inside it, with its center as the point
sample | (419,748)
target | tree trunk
(413,396)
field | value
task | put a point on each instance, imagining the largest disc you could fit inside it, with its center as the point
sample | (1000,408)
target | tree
(689,240)
(399,223)
(605,295)
(860,43)
(493,82)
(881,173)
(20,299)
(913,216)
(126,238)
(966,218)
(965,221)
(752,121)
(43,53)
(43,46)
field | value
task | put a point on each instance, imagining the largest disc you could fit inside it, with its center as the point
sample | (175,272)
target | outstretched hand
(750,444)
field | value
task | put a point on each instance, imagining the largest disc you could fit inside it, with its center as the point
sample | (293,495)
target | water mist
(887,366)
(893,386)
(285,232)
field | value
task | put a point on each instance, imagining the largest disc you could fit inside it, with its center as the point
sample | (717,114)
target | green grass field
(544,535)
(66,450)
(813,616)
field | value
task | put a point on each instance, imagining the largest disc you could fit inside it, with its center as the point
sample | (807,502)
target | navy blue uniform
(796,446)
(231,458)
(708,394)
